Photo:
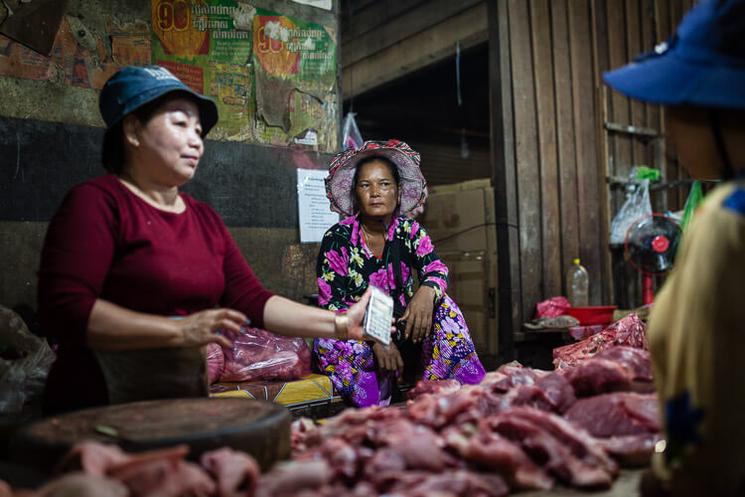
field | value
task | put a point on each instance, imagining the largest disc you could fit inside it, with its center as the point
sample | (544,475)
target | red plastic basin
(598,314)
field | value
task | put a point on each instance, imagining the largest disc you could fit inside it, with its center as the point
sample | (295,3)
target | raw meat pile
(520,429)
(629,331)
(97,470)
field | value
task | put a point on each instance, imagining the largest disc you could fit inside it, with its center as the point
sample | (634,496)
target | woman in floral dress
(375,187)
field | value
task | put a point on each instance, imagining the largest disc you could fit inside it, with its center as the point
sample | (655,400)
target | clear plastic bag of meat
(25,360)
(257,354)
(215,362)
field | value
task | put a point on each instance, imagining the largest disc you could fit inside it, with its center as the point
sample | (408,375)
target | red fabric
(105,242)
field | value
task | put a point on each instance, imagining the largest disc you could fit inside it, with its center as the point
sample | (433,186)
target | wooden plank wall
(558,51)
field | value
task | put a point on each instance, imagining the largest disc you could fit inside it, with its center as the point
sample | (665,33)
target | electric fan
(650,246)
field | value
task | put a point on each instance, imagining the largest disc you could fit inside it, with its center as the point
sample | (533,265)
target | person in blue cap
(697,326)
(126,252)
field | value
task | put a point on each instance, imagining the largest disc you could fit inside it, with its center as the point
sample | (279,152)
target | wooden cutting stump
(259,428)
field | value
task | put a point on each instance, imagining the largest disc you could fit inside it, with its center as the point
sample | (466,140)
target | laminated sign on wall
(314,211)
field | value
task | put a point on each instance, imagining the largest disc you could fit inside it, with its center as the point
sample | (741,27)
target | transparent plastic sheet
(257,354)
(352,138)
(24,363)
(636,207)
(215,362)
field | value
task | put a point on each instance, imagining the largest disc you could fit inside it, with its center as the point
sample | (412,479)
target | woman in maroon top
(127,252)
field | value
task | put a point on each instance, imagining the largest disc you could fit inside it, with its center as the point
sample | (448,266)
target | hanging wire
(457,74)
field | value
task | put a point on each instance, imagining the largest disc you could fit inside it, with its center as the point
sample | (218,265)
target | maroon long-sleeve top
(105,242)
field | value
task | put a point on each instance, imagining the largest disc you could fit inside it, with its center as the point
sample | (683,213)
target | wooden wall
(558,50)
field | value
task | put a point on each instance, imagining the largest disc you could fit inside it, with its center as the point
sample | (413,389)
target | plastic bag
(636,207)
(351,137)
(551,308)
(25,360)
(695,197)
(215,362)
(257,354)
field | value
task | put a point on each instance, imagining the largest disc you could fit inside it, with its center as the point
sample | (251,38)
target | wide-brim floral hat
(413,186)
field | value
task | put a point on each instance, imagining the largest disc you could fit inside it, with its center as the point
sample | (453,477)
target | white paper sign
(321,4)
(313,207)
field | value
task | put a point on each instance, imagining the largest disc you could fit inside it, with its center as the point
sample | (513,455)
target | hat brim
(339,185)
(669,79)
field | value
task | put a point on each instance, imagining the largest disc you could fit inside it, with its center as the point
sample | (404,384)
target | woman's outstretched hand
(202,327)
(356,315)
(418,314)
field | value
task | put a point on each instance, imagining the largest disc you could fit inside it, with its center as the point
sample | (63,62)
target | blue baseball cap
(132,87)
(702,65)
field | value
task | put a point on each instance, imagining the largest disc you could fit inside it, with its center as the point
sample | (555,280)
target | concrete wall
(50,135)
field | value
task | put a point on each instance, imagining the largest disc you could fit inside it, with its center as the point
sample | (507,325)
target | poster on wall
(314,212)
(273,77)
(295,77)
(80,55)
(207,44)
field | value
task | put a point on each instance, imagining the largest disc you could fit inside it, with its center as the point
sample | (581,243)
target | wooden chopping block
(259,428)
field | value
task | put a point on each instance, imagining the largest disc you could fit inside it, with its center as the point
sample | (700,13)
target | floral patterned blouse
(346,265)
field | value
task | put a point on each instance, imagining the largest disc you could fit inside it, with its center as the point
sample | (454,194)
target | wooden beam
(395,29)
(504,178)
(425,48)
(360,19)
(545,98)
(600,64)
(565,129)
(526,155)
(592,238)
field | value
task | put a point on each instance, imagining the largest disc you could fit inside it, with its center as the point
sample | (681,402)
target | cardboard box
(460,220)
(472,284)
(460,217)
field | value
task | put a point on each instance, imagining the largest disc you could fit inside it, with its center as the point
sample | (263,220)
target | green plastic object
(650,173)
(695,197)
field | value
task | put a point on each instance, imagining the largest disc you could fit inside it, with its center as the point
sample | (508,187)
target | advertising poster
(207,44)
(273,77)
(295,75)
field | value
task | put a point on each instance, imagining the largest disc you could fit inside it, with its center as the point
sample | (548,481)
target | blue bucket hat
(132,87)
(702,65)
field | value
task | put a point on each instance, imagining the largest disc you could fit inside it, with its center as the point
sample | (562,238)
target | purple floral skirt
(447,353)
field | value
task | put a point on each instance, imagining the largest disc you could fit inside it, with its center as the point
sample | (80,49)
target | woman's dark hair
(372,158)
(113,152)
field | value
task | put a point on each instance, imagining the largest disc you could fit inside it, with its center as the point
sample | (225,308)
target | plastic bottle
(578,285)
